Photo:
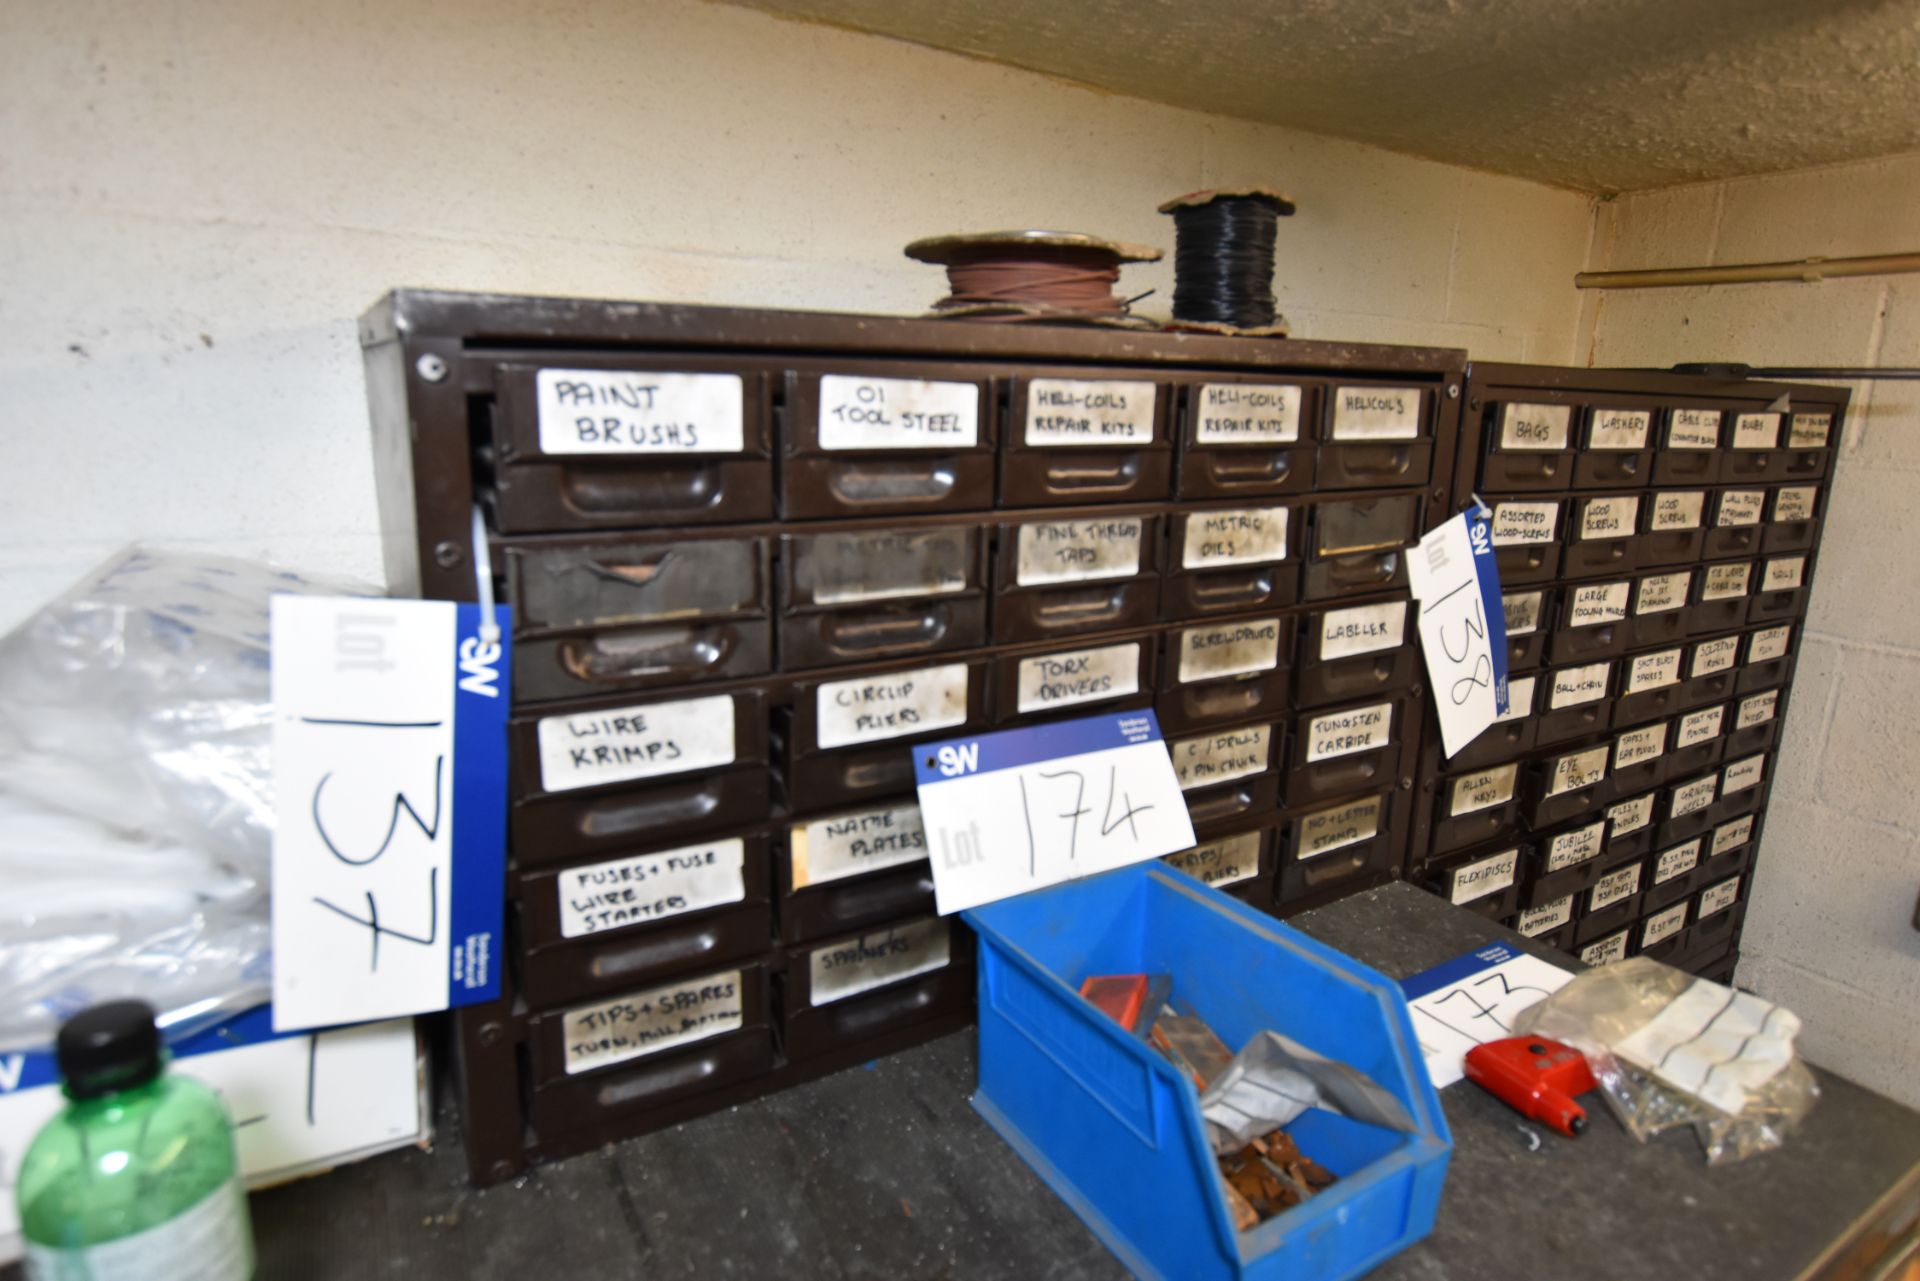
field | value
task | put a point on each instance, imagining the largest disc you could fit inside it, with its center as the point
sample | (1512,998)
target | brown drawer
(1510,736)
(592,1102)
(1230,773)
(1672,527)
(1073,439)
(1696,741)
(1650,686)
(590,1040)
(1674,873)
(1616,449)
(1612,904)
(1357,546)
(1375,436)
(1062,574)
(1601,536)
(1484,880)
(1594,621)
(1239,863)
(879,438)
(1793,519)
(1529,615)
(1241,438)
(1640,758)
(1809,445)
(1662,606)
(1564,784)
(1688,447)
(1475,807)
(864,594)
(1766,657)
(1037,682)
(1753,449)
(1756,723)
(865,986)
(1686,808)
(848,737)
(1780,588)
(845,871)
(1574,701)
(1342,750)
(1225,672)
(1231,560)
(1527,446)
(599,965)
(1354,652)
(1734,523)
(1347,843)
(1526,538)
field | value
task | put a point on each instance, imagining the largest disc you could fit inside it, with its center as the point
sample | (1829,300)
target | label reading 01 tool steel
(1067,411)
(858,412)
(613,411)
(1243,536)
(622,744)
(1538,427)
(1376,413)
(1077,551)
(1221,756)
(1246,414)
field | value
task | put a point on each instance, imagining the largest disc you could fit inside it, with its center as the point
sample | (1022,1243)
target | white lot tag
(857,412)
(1031,807)
(1364,629)
(1246,414)
(1243,536)
(855,842)
(1078,551)
(612,411)
(1474,999)
(892,954)
(621,744)
(1462,625)
(1067,411)
(1520,691)
(650,887)
(1376,413)
(868,709)
(628,1027)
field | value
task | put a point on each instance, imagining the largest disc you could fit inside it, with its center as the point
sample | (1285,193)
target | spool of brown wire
(1031,275)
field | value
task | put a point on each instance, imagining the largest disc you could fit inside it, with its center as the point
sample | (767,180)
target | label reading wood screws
(897,413)
(1714,656)
(893,955)
(1220,757)
(1784,574)
(1362,729)
(1696,795)
(1619,429)
(1050,681)
(648,1022)
(1536,921)
(1066,411)
(1731,836)
(1573,686)
(650,887)
(1246,414)
(1718,898)
(1677,861)
(1537,427)
(1809,431)
(1577,846)
(1606,518)
(1364,629)
(1698,727)
(1376,413)
(1630,816)
(1484,877)
(1694,429)
(1522,611)
(1520,524)
(1663,925)
(588,749)
(1794,503)
(871,708)
(1677,509)
(1597,603)
(1077,551)
(612,411)
(1608,950)
(1221,862)
(1654,671)
(1578,769)
(1229,649)
(858,841)
(1768,644)
(887,564)
(1324,831)
(1519,699)
(1613,887)
(1740,507)
(1244,536)
(1644,744)
(1757,710)
(1756,431)
(1662,592)
(1725,582)
(1742,774)
(1482,791)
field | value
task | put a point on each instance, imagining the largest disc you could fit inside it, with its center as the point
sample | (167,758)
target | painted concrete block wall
(1829,932)
(198,197)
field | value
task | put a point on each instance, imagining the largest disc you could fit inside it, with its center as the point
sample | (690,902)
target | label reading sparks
(1230,649)
(1617,430)
(1630,816)
(587,749)
(1608,950)
(1677,861)
(1522,612)
(1542,427)
(1663,925)
(897,413)
(892,955)
(1066,411)
(1726,582)
(1698,727)
(848,568)
(595,1036)
(1577,846)
(1809,431)
(1654,671)
(1793,503)
(1694,429)
(1483,790)
(1756,431)
(1690,797)
(650,887)
(1714,656)
(1677,509)
(1662,592)
(1739,507)
(1607,518)
(1742,774)
(1246,414)
(1521,524)
(612,411)
(1360,729)
(1324,831)
(868,709)
(1376,413)
(1573,686)
(1050,681)
(1784,574)
(1483,877)
(1077,551)
(1579,769)
(858,841)
(1718,898)
(1757,710)
(1635,746)
(1222,862)
(1597,603)
(1520,691)
(1769,643)
(1243,536)
(1220,757)
(1364,629)
(1613,887)
(1536,921)
(1731,836)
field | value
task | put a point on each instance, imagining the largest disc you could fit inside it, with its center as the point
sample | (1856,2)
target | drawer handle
(1374,462)
(1225,591)
(890,631)
(1081,609)
(612,819)
(1357,772)
(871,481)
(857,903)
(1365,569)
(657,1081)
(1237,800)
(887,1006)
(685,653)
(617,961)
(1250,468)
(1233,695)
(657,491)
(1085,475)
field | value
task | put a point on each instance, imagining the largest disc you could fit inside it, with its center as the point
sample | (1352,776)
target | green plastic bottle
(135,1180)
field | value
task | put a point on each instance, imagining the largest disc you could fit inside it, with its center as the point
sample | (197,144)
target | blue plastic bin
(1116,1131)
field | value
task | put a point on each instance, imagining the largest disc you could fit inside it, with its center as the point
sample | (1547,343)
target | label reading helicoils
(1654,671)
(1364,629)
(1615,430)
(1577,846)
(1051,681)
(1077,551)
(1534,426)
(1718,898)
(1324,831)
(1608,950)
(868,709)
(628,1027)
(1597,603)
(1220,757)
(1221,862)
(1661,592)
(1769,643)
(1714,656)
(1694,429)
(1677,509)
(1536,921)
(1376,413)
(1483,790)
(858,841)
(1578,769)
(1724,582)
(1243,536)
(1522,612)
(1229,649)
(1246,414)
(612,411)
(897,413)
(1740,507)
(840,970)
(587,749)
(1784,574)
(1361,729)
(211,1241)
(1611,517)
(1067,411)
(1757,710)
(1698,727)
(1756,431)
(1677,861)
(1635,746)
(1573,686)
(650,887)
(1742,774)
(1520,691)
(886,564)
(1693,796)
(1521,524)
(1613,887)
(1809,431)
(1483,877)
(1663,925)
(1794,503)
(1731,836)
(1630,816)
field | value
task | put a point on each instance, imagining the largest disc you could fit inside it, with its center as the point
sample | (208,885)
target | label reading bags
(868,709)
(1077,551)
(1714,656)
(1677,509)
(1573,686)
(1740,507)
(1521,524)
(1694,429)
(1246,414)
(1324,831)
(1611,517)
(1809,431)
(650,887)
(1677,861)
(1756,431)
(858,412)
(1361,729)
(1757,710)
(1376,413)
(1613,887)
(1243,536)
(1067,411)
(1662,592)
(1364,629)
(1483,877)
(1051,681)
(1784,574)
(1542,427)
(890,955)
(1220,757)
(1536,921)
(1643,744)
(1578,769)
(1630,816)
(1483,790)
(1577,846)
(856,842)
(1724,582)
(612,411)
(1654,671)
(587,749)
(1221,862)
(1698,727)
(1595,604)
(1618,430)
(648,1022)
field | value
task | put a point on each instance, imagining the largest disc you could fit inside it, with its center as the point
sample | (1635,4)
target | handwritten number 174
(1109,821)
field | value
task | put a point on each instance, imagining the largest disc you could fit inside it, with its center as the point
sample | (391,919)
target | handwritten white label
(1694,429)
(1647,743)
(1364,629)
(1793,503)
(1520,524)
(1534,426)
(1725,582)
(1243,536)
(1756,431)
(1698,727)
(1376,413)
(1229,649)
(1324,831)
(1520,691)
(886,564)
(884,956)
(1663,925)
(621,744)
(1483,790)
(1608,950)
(1630,816)
(1247,414)
(1718,898)
(650,887)
(1546,918)
(1757,710)
(1066,411)
(1612,517)
(1677,861)
(1731,836)
(1222,862)
(1613,887)
(1573,686)
(855,842)
(1594,604)
(1482,877)
(1522,612)
(1359,729)
(869,709)
(1619,429)
(857,412)
(1784,574)
(1221,756)
(1769,643)
(614,411)
(1809,431)
(1654,671)
(1661,592)
(1577,846)
(1677,509)
(1697,795)
(1742,774)
(1740,507)
(1579,769)
(629,1027)
(1714,656)
(1077,551)
(1050,681)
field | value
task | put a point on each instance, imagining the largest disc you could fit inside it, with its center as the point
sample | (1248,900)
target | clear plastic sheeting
(136,807)
(1668,1049)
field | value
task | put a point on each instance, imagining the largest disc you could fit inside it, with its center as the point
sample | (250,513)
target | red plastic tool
(1537,1078)
(1118,996)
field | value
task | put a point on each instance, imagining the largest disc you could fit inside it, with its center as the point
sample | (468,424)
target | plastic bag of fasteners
(1668,1049)
(136,804)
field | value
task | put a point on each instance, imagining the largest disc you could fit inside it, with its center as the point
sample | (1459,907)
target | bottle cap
(108,1047)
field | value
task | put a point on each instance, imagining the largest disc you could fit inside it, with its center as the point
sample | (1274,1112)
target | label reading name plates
(650,887)
(611,411)
(1757,710)
(893,955)
(1698,727)
(1245,536)
(897,413)
(1536,921)
(1534,426)
(1653,671)
(1324,831)
(1677,509)
(871,708)
(621,744)
(1613,887)
(1362,729)
(1694,429)
(1577,846)
(856,842)
(1482,877)
(1246,414)
(1078,551)
(660,1018)
(1596,603)
(1376,413)
(1364,629)
(1612,517)
(1793,503)
(1662,592)
(1521,524)
(1066,411)
(1619,429)
(1052,681)
(1677,861)
(1573,686)
(1229,649)
(1221,756)
(1482,790)
(1809,431)
(1756,431)
(1221,862)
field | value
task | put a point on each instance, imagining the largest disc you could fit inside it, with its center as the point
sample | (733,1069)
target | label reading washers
(650,887)
(1455,577)
(1051,681)
(869,709)
(1222,862)
(855,842)
(613,411)
(1619,430)
(1376,413)
(858,412)
(660,1018)
(1077,551)
(1070,412)
(1242,536)
(622,744)
(1246,414)
(1534,427)
(893,954)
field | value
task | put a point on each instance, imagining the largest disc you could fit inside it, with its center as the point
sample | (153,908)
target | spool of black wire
(1223,257)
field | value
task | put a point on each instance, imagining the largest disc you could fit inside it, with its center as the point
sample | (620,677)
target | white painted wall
(1829,931)
(198,198)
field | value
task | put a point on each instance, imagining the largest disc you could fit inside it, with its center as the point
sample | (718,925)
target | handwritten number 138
(1473,628)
